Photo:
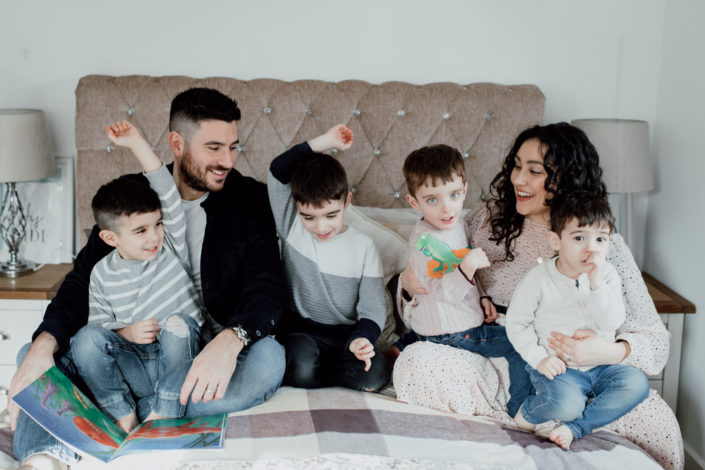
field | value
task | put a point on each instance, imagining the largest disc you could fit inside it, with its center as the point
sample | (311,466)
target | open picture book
(57,405)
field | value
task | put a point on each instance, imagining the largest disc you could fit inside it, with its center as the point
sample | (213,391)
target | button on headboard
(389,121)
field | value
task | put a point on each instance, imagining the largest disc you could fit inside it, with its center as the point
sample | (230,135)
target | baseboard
(692,460)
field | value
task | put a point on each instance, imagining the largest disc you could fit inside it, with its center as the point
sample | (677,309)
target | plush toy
(445,259)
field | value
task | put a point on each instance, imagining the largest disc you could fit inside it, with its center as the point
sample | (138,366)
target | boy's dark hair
(589,208)
(317,179)
(194,105)
(123,196)
(435,162)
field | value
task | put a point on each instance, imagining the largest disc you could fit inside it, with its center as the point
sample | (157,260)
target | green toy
(444,259)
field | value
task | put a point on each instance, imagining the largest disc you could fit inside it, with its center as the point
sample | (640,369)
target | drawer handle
(3,391)
(4,336)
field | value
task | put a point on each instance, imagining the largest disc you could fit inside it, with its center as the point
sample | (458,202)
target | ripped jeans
(120,373)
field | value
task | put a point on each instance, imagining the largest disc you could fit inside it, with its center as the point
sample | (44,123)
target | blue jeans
(258,374)
(614,390)
(120,373)
(492,341)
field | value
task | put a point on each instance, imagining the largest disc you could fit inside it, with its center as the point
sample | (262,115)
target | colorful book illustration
(443,259)
(55,403)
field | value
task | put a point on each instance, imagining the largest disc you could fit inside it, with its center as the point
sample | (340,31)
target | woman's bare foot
(523,424)
(152,415)
(562,436)
(128,422)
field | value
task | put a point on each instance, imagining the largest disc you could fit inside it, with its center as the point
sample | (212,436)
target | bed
(334,427)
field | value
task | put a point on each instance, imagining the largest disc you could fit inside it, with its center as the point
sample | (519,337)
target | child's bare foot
(128,422)
(152,415)
(523,424)
(562,436)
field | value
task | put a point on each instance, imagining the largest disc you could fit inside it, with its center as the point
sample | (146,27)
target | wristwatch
(242,334)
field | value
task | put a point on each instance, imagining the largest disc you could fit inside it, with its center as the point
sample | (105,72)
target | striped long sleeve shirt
(122,292)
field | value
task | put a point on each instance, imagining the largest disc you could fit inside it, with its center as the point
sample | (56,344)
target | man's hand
(474,259)
(338,137)
(551,366)
(596,274)
(212,369)
(141,332)
(489,309)
(363,350)
(38,360)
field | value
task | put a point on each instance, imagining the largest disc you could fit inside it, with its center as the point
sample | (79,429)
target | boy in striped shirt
(145,312)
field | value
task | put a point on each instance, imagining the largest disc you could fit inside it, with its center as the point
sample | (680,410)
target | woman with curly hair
(545,163)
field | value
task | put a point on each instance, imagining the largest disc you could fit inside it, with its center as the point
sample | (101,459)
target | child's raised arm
(124,134)
(337,137)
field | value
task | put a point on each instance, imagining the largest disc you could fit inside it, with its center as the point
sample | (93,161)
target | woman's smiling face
(529,179)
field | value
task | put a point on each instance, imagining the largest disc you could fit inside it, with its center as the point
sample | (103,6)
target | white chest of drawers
(22,304)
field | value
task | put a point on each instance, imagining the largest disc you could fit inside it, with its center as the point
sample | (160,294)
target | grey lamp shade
(625,157)
(25,146)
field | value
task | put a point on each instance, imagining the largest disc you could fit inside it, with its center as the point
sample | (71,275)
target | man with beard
(235,267)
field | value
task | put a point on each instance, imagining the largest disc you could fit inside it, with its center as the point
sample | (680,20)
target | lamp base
(17,268)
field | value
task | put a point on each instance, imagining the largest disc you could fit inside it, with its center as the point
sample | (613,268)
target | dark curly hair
(571,163)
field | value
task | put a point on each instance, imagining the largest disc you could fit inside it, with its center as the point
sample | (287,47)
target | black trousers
(316,357)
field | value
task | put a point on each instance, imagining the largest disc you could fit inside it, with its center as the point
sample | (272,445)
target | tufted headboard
(389,121)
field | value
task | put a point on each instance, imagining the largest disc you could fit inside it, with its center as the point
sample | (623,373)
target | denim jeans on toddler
(120,373)
(492,341)
(613,390)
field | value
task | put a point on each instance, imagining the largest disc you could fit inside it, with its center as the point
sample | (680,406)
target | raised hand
(124,134)
(597,263)
(338,137)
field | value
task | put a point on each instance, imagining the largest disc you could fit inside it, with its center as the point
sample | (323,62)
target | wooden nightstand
(23,301)
(672,309)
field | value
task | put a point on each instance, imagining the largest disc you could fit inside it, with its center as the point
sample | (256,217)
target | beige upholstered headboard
(389,121)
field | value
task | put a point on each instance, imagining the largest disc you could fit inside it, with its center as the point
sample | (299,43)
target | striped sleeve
(172,212)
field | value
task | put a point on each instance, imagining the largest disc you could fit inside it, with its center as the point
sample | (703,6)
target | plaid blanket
(301,424)
(340,428)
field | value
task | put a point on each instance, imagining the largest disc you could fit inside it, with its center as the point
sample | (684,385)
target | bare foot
(152,416)
(128,422)
(562,436)
(523,424)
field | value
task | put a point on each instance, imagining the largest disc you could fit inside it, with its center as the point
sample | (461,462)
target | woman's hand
(587,349)
(409,282)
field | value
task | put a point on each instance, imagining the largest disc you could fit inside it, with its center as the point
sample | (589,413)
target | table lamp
(25,154)
(625,158)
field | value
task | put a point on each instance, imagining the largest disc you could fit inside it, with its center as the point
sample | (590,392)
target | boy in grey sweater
(144,311)
(337,302)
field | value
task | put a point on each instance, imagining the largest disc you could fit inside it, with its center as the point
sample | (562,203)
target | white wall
(591,59)
(675,240)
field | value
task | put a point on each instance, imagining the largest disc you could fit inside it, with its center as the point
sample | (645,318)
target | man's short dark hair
(123,196)
(589,208)
(317,179)
(435,162)
(194,105)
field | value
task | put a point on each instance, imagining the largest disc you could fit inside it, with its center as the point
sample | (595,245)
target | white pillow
(392,248)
